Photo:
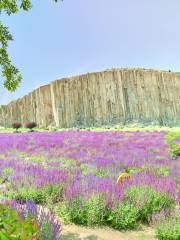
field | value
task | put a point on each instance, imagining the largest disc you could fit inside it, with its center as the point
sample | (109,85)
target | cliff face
(95,99)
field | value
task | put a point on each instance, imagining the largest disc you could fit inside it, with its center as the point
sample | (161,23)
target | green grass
(121,128)
(169,228)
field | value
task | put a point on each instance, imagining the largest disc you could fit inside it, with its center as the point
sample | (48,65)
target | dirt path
(73,232)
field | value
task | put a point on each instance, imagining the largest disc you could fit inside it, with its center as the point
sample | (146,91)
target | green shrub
(169,228)
(162,171)
(94,212)
(173,146)
(124,216)
(23,194)
(13,226)
(5,174)
(138,205)
(175,149)
(147,201)
(50,193)
(85,212)
(54,193)
(100,172)
(78,211)
(74,211)
(84,169)
(62,210)
(97,212)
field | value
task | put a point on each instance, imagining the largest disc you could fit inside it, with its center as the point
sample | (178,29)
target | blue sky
(52,41)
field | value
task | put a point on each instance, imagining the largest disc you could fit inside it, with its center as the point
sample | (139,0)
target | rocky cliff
(101,98)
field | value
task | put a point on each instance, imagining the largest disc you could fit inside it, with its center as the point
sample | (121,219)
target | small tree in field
(30,125)
(16,125)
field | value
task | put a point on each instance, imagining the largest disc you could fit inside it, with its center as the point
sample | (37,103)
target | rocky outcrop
(101,98)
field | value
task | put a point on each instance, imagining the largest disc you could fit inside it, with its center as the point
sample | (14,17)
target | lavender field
(75,174)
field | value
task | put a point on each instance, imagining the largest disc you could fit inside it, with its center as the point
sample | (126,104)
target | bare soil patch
(73,232)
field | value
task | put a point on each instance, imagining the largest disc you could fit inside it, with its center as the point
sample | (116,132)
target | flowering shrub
(30,125)
(48,226)
(94,211)
(123,216)
(167,226)
(138,205)
(14,226)
(82,211)
(50,193)
(78,171)
(147,201)
(17,125)
(169,229)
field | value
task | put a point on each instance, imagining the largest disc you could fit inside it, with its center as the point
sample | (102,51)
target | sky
(53,41)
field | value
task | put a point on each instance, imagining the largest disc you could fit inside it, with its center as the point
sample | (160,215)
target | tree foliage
(10,73)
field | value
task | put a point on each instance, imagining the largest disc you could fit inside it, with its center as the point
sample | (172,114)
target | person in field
(123,177)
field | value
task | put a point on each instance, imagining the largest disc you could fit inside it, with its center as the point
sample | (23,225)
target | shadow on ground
(71,236)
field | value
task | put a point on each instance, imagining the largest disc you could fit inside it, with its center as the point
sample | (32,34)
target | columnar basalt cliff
(101,98)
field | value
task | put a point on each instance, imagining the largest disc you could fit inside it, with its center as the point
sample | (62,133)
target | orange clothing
(122,177)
